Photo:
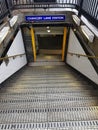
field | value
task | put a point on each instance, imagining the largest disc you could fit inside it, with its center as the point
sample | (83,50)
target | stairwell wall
(82,64)
(9,67)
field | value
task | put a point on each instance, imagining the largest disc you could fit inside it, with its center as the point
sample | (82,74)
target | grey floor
(48,95)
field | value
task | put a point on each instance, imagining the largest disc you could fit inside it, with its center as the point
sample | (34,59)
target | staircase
(48,95)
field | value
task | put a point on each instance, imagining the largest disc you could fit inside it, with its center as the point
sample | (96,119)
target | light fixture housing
(76,19)
(87,33)
(48,27)
(3,33)
(48,31)
(13,20)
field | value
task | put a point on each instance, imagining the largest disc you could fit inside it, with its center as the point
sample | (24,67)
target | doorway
(41,42)
(49,41)
(50,44)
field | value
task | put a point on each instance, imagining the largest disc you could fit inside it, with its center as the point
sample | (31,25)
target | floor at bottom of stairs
(48,97)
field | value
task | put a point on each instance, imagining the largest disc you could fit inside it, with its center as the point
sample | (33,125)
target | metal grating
(48,98)
(52,125)
(3,9)
(46,4)
(91,7)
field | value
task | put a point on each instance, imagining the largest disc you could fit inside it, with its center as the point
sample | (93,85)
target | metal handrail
(79,55)
(8,57)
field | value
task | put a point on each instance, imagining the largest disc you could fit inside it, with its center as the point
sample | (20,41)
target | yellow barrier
(33,43)
(64,43)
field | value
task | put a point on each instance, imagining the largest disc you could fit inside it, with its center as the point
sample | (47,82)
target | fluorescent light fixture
(89,25)
(87,33)
(76,19)
(48,31)
(3,33)
(47,27)
(13,21)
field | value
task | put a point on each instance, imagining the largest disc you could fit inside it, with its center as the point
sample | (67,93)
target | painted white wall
(81,64)
(14,65)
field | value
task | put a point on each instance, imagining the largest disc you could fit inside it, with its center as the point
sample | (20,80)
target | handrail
(76,54)
(8,57)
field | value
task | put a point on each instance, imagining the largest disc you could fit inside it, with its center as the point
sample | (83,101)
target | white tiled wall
(81,64)
(14,65)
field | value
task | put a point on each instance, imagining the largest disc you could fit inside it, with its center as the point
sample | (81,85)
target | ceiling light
(48,31)
(13,20)
(87,33)
(3,33)
(47,27)
(76,19)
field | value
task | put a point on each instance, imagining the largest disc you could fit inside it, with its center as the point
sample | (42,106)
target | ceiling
(49,30)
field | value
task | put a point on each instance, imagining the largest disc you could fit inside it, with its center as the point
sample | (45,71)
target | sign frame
(45,18)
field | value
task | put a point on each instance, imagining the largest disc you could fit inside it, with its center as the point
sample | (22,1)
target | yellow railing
(64,43)
(33,43)
(81,55)
(14,56)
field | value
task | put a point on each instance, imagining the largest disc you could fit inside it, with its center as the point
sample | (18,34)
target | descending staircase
(48,95)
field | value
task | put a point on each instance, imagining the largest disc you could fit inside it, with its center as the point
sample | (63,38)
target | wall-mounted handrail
(81,55)
(14,56)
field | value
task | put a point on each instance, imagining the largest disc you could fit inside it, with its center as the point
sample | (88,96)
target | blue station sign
(45,18)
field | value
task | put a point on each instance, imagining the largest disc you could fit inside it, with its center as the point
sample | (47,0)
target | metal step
(51,115)
(52,104)
(45,63)
(68,125)
(48,98)
(43,91)
(39,98)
